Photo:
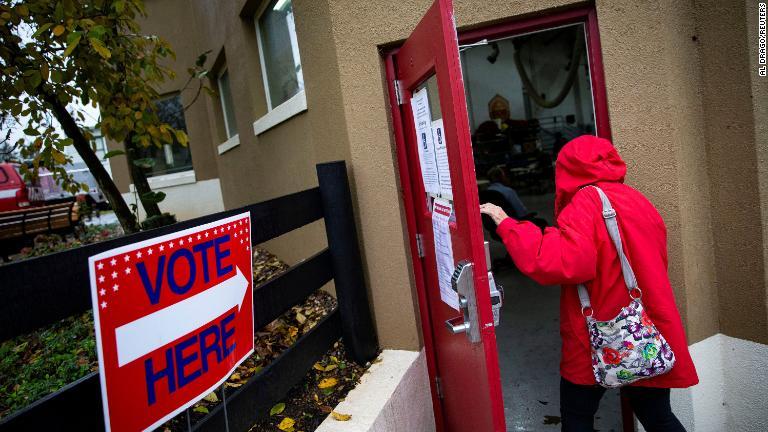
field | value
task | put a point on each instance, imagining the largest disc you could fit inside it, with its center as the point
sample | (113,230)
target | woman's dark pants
(578,405)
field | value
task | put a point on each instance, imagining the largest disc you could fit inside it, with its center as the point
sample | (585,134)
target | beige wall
(673,102)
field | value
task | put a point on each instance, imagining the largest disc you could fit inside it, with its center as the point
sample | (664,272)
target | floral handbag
(629,347)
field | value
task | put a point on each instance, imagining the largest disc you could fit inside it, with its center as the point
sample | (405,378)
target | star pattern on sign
(127,270)
(181,241)
(113,261)
(114,275)
(138,254)
(170,245)
(101,278)
(162,248)
(127,258)
(102,291)
(149,251)
(115,287)
(103,305)
(100,266)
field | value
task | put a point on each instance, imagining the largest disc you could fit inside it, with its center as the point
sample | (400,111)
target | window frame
(227,132)
(292,106)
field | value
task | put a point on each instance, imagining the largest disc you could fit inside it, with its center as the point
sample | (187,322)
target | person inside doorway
(579,250)
(500,183)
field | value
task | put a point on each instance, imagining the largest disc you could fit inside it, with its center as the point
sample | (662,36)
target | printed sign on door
(173,317)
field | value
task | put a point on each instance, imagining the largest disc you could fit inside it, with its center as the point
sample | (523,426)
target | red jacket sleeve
(566,254)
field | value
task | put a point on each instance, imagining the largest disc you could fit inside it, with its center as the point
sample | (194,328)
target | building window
(279,52)
(170,158)
(227,106)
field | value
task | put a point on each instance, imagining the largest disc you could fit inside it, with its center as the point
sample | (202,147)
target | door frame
(506,28)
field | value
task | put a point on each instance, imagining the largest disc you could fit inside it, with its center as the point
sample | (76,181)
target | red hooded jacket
(579,250)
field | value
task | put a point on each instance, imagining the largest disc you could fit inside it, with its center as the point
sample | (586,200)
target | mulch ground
(39,363)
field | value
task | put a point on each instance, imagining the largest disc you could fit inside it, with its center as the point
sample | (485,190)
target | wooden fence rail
(41,291)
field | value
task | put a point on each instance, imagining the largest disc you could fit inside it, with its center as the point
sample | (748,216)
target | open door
(441,199)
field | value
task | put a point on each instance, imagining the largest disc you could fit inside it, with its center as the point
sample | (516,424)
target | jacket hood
(584,161)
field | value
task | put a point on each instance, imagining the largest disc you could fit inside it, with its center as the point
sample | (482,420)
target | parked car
(15,193)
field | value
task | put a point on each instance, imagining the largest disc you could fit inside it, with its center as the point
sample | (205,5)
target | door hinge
(439,387)
(420,245)
(398,91)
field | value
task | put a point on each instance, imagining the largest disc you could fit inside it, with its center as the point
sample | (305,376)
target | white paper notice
(422,119)
(441,157)
(441,212)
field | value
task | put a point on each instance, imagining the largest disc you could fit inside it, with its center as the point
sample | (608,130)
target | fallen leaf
(277,409)
(330,367)
(287,424)
(340,417)
(211,397)
(235,376)
(300,318)
(200,409)
(319,367)
(327,383)
(326,409)
(334,359)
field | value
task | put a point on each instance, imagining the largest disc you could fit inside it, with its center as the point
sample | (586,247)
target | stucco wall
(730,136)
(685,127)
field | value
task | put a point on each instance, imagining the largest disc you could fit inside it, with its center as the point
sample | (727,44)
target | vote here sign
(173,317)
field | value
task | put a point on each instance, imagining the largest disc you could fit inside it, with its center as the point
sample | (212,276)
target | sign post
(173,317)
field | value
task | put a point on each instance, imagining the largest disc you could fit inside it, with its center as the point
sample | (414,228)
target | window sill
(229,144)
(169,180)
(290,108)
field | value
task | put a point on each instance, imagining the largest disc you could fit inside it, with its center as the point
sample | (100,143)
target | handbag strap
(609,216)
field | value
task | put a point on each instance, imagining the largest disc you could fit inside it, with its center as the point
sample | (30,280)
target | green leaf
(144,163)
(113,153)
(72,40)
(277,409)
(200,409)
(153,197)
(41,30)
(201,59)
(31,131)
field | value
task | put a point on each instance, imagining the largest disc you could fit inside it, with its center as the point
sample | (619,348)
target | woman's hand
(494,211)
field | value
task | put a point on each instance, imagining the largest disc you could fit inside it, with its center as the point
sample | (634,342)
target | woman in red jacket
(579,250)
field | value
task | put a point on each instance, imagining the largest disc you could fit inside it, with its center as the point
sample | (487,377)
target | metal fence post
(356,322)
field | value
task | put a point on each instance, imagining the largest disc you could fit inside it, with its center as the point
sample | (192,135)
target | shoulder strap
(609,216)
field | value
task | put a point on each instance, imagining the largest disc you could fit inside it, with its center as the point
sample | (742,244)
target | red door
(463,362)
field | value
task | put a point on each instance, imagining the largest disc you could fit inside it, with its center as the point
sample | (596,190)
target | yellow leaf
(300,318)
(293,331)
(319,367)
(277,409)
(211,397)
(58,30)
(330,367)
(287,424)
(59,157)
(340,416)
(100,48)
(327,383)
(334,359)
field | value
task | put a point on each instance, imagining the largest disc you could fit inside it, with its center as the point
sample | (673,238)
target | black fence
(41,291)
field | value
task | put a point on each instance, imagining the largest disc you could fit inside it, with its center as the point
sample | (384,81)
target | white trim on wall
(229,144)
(290,108)
(169,180)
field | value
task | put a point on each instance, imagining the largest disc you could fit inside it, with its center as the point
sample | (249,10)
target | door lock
(463,282)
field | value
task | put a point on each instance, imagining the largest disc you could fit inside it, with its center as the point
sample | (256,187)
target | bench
(18,227)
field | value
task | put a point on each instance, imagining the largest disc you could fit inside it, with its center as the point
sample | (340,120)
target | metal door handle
(457,325)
